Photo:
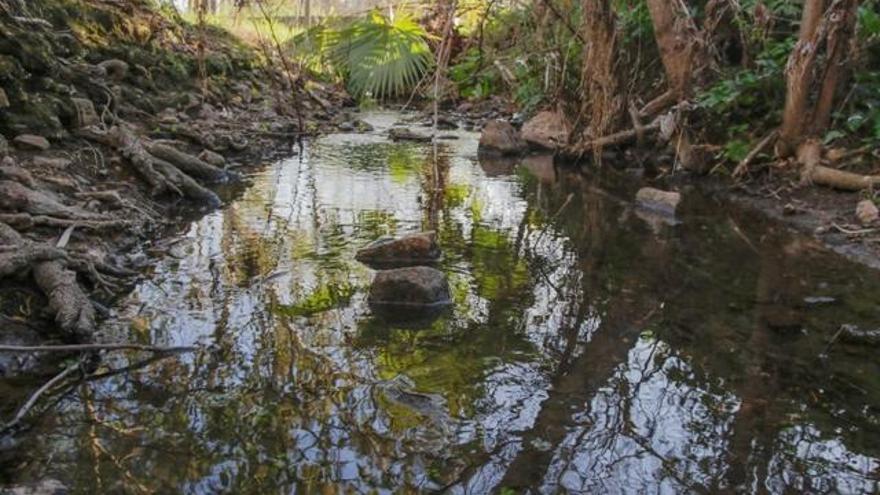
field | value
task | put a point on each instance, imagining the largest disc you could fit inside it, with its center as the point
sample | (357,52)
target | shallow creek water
(592,347)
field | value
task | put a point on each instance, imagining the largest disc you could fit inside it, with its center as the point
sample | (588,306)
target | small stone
(418,287)
(867,212)
(85,112)
(114,68)
(4,100)
(500,137)
(50,162)
(346,127)
(412,249)
(655,199)
(215,159)
(31,141)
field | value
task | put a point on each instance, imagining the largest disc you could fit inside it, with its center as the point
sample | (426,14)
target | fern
(379,56)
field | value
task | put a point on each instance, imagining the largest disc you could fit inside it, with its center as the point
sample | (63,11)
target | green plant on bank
(378,56)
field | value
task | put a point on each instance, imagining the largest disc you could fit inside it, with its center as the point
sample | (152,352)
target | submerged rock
(416,288)
(404,134)
(546,131)
(412,249)
(657,200)
(31,141)
(501,138)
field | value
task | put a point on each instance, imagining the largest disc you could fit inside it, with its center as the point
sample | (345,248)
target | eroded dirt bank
(117,120)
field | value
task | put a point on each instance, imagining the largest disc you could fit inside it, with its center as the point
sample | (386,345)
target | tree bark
(681,45)
(806,115)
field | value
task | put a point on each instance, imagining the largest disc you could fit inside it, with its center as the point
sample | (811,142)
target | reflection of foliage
(405,162)
(450,365)
(455,195)
(324,298)
(372,224)
(497,270)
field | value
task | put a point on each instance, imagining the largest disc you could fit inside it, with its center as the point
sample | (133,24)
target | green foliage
(379,56)
(471,80)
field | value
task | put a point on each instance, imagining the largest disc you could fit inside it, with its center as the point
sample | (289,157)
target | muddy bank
(116,123)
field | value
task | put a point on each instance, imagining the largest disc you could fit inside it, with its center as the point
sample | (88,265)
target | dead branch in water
(32,400)
(94,347)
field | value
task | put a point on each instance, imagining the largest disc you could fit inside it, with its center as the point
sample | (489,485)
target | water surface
(592,347)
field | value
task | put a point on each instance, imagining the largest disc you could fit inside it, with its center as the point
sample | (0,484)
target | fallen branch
(743,167)
(29,404)
(94,347)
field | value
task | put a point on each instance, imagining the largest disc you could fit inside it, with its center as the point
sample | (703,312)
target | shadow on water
(592,347)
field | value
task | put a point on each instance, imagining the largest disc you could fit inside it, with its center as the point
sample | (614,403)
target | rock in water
(409,250)
(4,146)
(4,100)
(867,212)
(413,288)
(404,134)
(30,141)
(501,138)
(655,199)
(546,131)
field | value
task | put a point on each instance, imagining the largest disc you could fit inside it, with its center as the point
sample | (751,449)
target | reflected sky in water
(592,348)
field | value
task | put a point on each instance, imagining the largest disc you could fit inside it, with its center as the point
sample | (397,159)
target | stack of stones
(405,284)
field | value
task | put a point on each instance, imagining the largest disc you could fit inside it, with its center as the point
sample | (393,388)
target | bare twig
(94,347)
(29,404)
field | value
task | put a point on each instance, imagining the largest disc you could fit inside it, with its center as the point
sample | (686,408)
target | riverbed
(593,346)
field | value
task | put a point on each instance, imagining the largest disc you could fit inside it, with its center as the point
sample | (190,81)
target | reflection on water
(591,348)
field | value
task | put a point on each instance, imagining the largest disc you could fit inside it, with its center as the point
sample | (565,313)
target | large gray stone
(412,249)
(415,288)
(546,131)
(501,138)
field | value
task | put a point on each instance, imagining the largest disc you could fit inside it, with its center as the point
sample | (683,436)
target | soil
(119,121)
(826,214)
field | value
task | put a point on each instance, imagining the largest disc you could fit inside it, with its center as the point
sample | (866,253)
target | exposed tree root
(809,156)
(187,163)
(160,174)
(73,310)
(17,197)
(27,221)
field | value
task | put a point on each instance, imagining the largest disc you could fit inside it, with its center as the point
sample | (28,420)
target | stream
(593,347)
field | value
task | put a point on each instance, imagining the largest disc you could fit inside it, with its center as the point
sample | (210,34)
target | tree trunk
(681,45)
(806,115)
